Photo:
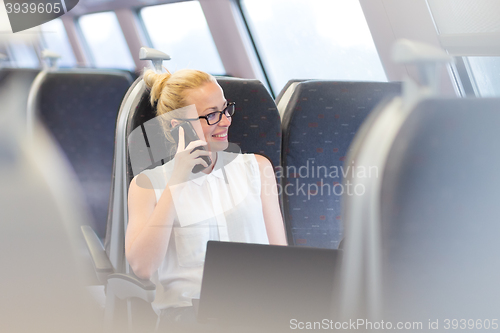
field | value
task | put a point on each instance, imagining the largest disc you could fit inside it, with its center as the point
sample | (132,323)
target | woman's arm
(270,203)
(149,227)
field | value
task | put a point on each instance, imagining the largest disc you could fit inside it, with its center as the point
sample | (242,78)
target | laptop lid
(266,285)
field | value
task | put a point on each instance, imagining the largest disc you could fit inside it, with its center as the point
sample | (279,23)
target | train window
(105,41)
(180,30)
(54,38)
(24,54)
(312,39)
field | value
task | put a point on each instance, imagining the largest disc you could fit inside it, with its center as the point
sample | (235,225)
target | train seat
(420,244)
(43,288)
(255,127)
(319,123)
(79,108)
(285,94)
(439,211)
(140,145)
(433,225)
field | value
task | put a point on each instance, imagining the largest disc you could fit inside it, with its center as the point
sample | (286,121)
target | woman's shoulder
(262,160)
(160,172)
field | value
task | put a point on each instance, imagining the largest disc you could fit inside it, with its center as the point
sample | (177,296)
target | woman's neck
(211,166)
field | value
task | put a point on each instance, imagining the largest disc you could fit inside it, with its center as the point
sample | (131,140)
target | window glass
(313,39)
(105,40)
(181,31)
(24,54)
(486,75)
(54,38)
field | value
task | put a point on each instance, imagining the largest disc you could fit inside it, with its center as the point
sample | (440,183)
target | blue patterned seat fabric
(80,111)
(256,125)
(319,124)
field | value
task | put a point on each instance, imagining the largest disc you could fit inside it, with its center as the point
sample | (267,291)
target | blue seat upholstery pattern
(256,125)
(319,124)
(80,110)
(439,212)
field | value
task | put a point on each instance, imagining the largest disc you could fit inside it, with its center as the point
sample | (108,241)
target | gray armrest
(126,286)
(100,259)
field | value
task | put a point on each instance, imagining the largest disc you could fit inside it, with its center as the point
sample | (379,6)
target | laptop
(253,285)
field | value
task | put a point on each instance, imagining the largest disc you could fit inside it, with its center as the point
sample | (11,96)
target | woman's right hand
(186,158)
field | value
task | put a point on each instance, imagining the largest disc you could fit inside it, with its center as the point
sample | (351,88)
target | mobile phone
(189,136)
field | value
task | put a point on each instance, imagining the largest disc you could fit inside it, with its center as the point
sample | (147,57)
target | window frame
(255,48)
(14,62)
(147,35)
(44,45)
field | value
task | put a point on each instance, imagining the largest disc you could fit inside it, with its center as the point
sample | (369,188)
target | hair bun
(155,82)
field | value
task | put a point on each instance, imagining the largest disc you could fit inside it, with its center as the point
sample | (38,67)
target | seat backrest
(319,124)
(41,209)
(439,213)
(424,229)
(285,94)
(256,124)
(79,108)
(255,128)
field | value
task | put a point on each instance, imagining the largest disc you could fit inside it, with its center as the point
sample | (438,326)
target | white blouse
(224,205)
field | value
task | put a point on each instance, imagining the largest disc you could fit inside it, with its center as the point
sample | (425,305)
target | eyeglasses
(215,117)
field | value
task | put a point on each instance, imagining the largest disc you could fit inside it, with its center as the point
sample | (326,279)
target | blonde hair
(170,91)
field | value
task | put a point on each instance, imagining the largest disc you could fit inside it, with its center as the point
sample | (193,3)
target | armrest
(102,265)
(126,286)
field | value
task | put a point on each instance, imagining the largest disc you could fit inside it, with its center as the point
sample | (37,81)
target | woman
(174,212)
